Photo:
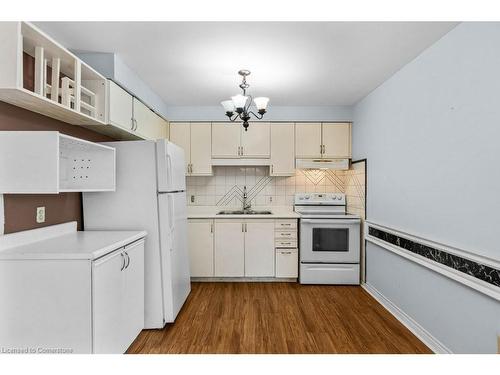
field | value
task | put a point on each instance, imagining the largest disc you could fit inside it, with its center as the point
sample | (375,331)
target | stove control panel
(320,199)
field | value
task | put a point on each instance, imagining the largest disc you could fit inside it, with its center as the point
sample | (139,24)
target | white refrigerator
(150,195)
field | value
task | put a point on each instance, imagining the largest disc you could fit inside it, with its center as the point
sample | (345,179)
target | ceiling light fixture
(241,103)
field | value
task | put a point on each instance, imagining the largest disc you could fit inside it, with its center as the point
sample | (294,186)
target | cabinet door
(229,249)
(259,248)
(120,107)
(225,140)
(337,139)
(180,135)
(108,299)
(256,141)
(308,140)
(201,247)
(148,123)
(282,149)
(133,293)
(201,148)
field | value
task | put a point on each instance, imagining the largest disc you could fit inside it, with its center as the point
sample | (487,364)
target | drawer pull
(286,252)
(285,234)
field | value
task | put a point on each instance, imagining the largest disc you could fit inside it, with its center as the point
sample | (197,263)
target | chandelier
(241,103)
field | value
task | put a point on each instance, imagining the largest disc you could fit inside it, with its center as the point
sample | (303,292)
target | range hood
(337,164)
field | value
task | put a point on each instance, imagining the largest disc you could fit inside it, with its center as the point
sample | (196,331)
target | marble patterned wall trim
(225,188)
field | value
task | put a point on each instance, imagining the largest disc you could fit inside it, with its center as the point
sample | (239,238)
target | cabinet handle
(211,227)
(242,225)
(123,261)
(128,260)
(132,123)
(241,150)
(286,252)
(245,227)
(285,225)
(286,234)
(272,169)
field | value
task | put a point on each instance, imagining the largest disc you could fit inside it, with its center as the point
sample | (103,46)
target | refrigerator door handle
(171,216)
(169,170)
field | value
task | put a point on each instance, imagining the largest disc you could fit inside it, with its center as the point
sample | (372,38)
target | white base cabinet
(259,248)
(74,305)
(287,263)
(118,299)
(201,247)
(229,248)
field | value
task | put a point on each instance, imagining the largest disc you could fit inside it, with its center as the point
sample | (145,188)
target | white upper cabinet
(308,140)
(323,140)
(337,140)
(230,140)
(194,138)
(43,162)
(201,149)
(226,140)
(255,141)
(282,149)
(180,134)
(147,123)
(120,107)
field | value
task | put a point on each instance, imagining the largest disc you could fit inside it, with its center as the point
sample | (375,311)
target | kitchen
(151,205)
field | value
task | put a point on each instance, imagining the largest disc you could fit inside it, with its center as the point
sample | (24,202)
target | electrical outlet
(40,214)
(192,198)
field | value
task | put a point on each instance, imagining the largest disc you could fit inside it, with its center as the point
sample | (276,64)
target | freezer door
(174,252)
(171,168)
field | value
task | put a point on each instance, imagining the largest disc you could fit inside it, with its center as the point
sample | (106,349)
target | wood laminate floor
(279,318)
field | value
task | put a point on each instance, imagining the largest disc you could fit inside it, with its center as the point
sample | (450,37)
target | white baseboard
(434,344)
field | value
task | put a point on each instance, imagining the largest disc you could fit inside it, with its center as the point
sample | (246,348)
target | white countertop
(77,245)
(210,212)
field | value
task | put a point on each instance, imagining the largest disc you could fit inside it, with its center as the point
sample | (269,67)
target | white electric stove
(329,239)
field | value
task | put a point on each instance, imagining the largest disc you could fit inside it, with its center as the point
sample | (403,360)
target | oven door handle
(329,221)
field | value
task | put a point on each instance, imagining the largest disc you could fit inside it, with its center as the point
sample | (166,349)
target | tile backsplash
(225,187)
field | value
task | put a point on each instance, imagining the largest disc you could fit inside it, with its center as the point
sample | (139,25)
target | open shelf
(46,162)
(38,74)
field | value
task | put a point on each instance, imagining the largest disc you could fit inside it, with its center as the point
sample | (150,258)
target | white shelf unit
(75,93)
(48,162)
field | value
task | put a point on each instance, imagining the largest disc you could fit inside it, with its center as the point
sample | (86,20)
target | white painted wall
(2,215)
(431,134)
(275,113)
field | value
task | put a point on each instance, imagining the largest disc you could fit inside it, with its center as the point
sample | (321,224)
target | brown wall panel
(20,209)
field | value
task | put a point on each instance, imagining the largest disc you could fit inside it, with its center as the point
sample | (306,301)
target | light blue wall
(431,134)
(276,113)
(112,66)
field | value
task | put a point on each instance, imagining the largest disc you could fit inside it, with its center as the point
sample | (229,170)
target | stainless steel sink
(244,212)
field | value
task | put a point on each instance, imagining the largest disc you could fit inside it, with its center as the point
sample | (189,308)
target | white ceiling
(302,64)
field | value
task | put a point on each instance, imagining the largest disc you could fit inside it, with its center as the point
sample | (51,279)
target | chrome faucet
(246,205)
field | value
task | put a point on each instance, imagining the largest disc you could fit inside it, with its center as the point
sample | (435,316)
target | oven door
(329,240)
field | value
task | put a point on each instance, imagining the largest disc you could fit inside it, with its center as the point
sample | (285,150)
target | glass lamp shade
(228,105)
(239,100)
(261,102)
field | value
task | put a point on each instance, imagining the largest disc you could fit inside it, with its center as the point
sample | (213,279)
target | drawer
(285,243)
(285,224)
(286,234)
(287,263)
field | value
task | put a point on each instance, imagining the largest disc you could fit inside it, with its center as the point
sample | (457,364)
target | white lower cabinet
(259,248)
(229,248)
(243,248)
(118,299)
(287,263)
(201,247)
